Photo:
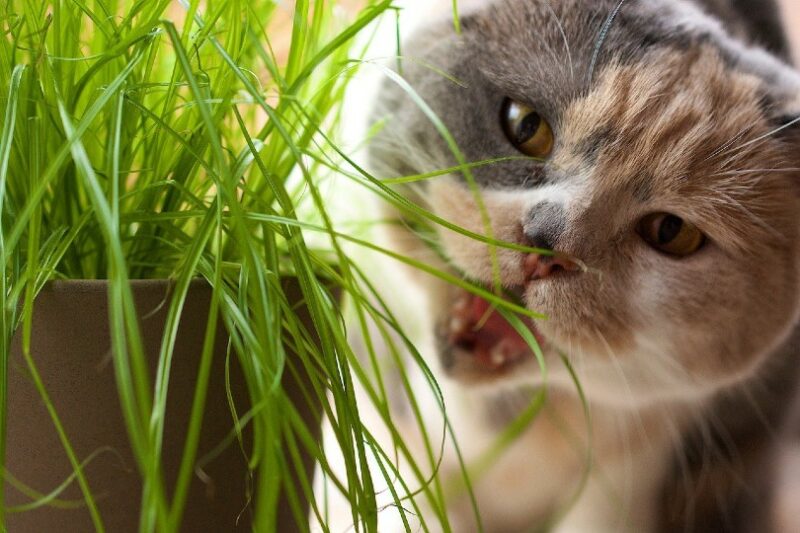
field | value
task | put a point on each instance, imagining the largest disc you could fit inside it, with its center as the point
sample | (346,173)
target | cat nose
(536,267)
(543,227)
(540,238)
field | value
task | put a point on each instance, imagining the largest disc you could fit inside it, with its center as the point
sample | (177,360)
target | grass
(160,139)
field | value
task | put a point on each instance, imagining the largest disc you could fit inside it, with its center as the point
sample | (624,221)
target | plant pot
(72,350)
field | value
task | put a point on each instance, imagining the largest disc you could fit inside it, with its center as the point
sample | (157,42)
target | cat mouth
(478,332)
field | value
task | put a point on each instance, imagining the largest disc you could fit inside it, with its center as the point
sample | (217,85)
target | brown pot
(71,347)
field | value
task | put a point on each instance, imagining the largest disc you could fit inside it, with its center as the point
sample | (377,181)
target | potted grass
(170,334)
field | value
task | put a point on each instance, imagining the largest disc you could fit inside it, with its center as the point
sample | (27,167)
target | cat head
(664,172)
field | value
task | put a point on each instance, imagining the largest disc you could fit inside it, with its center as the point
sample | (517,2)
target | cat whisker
(719,452)
(550,50)
(690,474)
(614,360)
(626,434)
(747,393)
(666,368)
(756,171)
(769,133)
(754,143)
(727,144)
(601,39)
(682,459)
(723,199)
(563,38)
(637,420)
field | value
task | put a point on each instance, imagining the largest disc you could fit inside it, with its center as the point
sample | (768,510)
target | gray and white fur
(690,364)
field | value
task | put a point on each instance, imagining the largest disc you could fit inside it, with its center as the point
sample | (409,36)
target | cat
(653,147)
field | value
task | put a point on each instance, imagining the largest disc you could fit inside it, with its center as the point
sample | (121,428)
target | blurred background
(791,12)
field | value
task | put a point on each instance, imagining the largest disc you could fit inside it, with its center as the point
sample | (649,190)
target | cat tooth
(497,357)
(461,305)
(457,324)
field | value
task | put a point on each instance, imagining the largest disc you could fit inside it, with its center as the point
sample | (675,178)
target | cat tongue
(477,328)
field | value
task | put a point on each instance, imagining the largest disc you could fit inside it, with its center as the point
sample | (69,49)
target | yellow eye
(671,234)
(526,129)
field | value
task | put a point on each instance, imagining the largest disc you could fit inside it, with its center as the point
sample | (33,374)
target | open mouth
(477,331)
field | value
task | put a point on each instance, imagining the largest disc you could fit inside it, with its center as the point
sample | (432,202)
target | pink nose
(542,266)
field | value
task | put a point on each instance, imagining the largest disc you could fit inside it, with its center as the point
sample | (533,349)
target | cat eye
(671,234)
(526,129)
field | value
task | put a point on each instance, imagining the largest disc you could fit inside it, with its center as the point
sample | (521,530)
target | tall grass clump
(161,139)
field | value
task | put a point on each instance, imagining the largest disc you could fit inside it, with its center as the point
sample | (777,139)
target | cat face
(664,180)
